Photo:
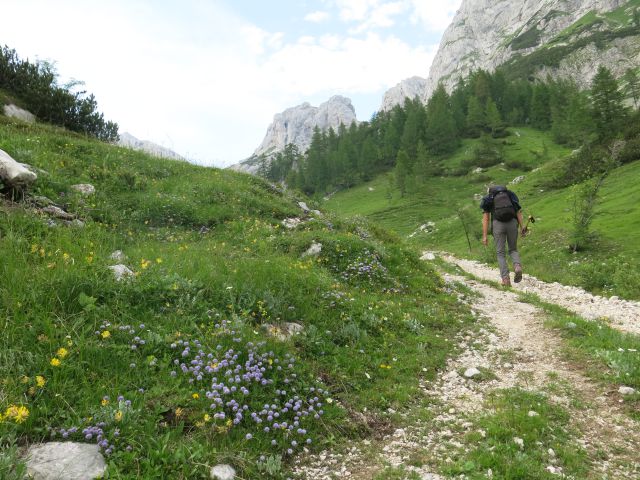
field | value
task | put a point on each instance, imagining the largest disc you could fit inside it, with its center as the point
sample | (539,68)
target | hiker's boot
(506,281)
(517,268)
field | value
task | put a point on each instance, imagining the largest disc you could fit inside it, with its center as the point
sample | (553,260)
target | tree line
(36,86)
(412,139)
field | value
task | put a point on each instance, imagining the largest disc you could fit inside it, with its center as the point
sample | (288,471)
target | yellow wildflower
(195,396)
(207,417)
(17,414)
(179,412)
(40,381)
(104,402)
(118,416)
(24,379)
(158,260)
(55,362)
(106,334)
(62,352)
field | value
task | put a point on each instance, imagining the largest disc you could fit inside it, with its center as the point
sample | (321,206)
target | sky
(205,77)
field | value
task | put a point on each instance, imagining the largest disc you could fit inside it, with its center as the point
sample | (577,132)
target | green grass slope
(609,266)
(176,369)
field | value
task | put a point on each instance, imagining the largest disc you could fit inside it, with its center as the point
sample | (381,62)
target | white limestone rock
(121,272)
(429,256)
(223,472)
(14,111)
(472,372)
(57,212)
(411,88)
(295,126)
(283,331)
(65,460)
(313,251)
(129,141)
(85,189)
(626,391)
(13,173)
(118,256)
(291,223)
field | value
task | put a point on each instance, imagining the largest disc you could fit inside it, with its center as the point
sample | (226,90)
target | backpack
(503,208)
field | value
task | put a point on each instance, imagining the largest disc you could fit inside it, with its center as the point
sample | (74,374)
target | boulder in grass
(65,460)
(626,391)
(85,189)
(14,111)
(223,472)
(15,174)
(121,272)
(314,250)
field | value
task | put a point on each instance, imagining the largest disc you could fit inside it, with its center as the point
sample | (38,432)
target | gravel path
(623,315)
(513,344)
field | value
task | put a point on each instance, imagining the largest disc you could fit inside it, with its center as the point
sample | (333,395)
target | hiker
(502,207)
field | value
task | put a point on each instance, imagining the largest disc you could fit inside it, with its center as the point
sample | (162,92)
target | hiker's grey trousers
(506,232)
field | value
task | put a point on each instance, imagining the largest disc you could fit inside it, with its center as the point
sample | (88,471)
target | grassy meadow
(608,266)
(176,368)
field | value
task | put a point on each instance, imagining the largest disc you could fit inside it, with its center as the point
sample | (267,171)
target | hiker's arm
(523,229)
(485,227)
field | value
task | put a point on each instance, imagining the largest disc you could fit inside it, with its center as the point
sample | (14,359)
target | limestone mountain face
(410,88)
(129,141)
(567,39)
(295,126)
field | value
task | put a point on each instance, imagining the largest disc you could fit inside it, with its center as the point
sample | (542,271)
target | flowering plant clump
(366,267)
(103,428)
(234,383)
(15,413)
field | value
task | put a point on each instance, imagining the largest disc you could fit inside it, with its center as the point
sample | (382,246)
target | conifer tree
(402,172)
(441,133)
(607,106)
(476,120)
(494,120)
(540,107)
(632,86)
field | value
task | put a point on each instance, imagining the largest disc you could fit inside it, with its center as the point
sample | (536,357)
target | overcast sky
(205,77)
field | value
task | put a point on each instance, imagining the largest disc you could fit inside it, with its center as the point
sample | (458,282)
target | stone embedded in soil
(626,391)
(223,472)
(121,272)
(68,460)
(472,372)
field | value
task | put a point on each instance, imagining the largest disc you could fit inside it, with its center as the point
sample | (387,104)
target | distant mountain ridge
(559,38)
(295,126)
(129,141)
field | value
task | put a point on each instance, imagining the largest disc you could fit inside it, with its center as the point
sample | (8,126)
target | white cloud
(317,17)
(435,16)
(199,79)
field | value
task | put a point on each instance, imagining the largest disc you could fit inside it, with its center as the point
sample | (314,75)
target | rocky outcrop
(487,33)
(129,141)
(15,174)
(411,88)
(295,126)
(14,111)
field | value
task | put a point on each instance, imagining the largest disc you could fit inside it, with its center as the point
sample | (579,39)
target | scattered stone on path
(428,256)
(571,325)
(626,391)
(313,251)
(472,372)
(223,472)
(15,174)
(65,460)
(85,189)
(518,441)
(121,272)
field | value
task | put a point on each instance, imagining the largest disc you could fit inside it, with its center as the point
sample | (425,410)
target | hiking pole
(531,219)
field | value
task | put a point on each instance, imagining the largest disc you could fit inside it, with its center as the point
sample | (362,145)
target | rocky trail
(517,350)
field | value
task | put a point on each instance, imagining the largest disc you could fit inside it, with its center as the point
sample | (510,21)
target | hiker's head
(493,189)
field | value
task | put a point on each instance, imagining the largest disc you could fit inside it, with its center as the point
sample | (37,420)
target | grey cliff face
(295,126)
(487,33)
(410,88)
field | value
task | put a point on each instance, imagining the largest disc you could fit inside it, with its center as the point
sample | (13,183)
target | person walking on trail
(502,208)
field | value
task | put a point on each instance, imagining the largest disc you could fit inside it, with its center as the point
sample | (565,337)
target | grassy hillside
(177,369)
(610,264)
